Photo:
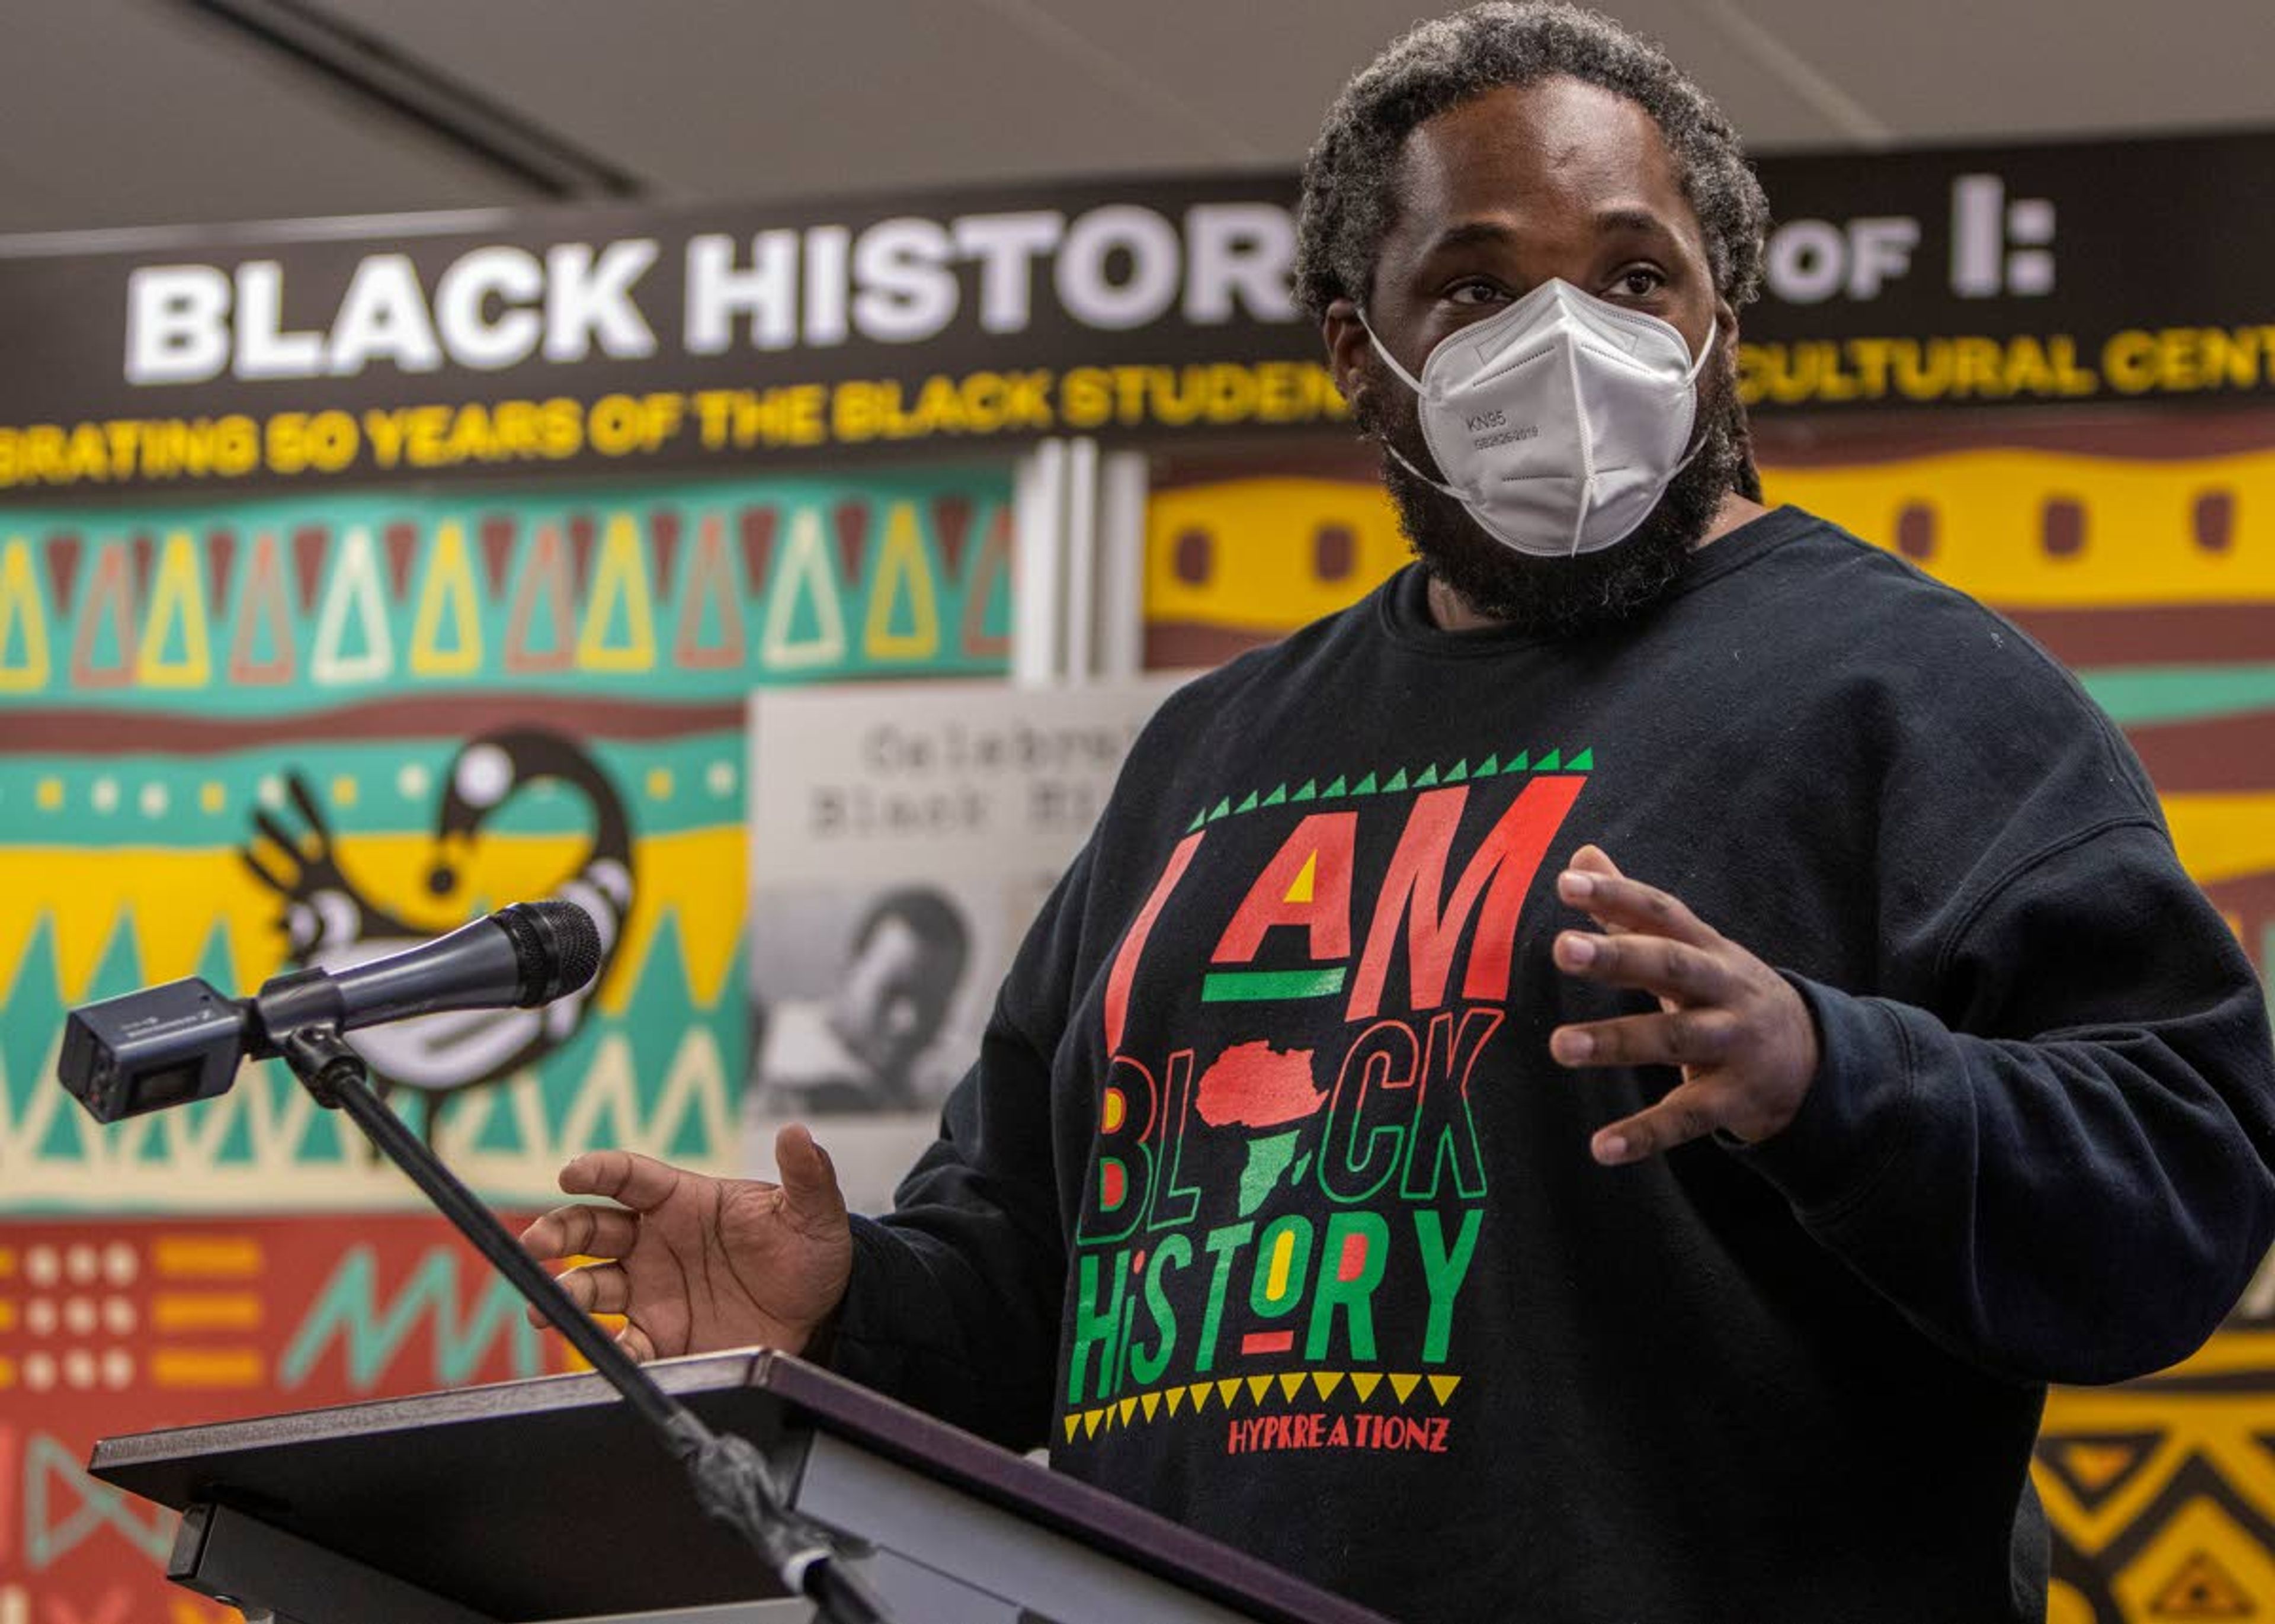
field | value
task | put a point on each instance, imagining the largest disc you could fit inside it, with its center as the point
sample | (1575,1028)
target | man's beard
(1559,597)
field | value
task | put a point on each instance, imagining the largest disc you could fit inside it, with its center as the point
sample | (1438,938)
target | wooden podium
(547,1500)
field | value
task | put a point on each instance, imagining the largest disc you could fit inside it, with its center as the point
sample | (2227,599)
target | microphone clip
(297,1017)
(321,1058)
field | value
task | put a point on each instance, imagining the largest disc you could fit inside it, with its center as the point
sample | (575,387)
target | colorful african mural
(2139,549)
(237,738)
(124,1325)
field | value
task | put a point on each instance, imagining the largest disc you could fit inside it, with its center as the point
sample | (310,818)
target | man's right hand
(697,1264)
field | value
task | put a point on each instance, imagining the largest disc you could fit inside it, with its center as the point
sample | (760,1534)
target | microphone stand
(729,1473)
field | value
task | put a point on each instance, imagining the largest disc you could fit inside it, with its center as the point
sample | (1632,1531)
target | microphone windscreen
(557,946)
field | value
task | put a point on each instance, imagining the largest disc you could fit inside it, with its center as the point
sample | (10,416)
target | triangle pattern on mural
(2203,1589)
(66,1506)
(904,617)
(709,633)
(176,648)
(806,620)
(23,622)
(262,651)
(540,625)
(981,638)
(619,633)
(102,636)
(353,643)
(2095,1466)
(446,637)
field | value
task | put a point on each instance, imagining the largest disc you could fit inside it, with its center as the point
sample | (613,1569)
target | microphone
(169,1044)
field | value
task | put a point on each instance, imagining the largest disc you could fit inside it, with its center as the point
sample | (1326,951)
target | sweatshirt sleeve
(954,1303)
(2069,1179)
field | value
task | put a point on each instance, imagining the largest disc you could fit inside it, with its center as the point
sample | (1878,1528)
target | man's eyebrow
(1489,233)
(1631,220)
(1473,234)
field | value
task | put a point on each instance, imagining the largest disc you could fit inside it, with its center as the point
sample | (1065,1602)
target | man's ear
(1726,324)
(1347,347)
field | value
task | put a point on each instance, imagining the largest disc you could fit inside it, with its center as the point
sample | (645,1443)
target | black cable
(369,65)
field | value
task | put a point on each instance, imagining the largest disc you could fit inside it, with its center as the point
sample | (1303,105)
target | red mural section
(110,1326)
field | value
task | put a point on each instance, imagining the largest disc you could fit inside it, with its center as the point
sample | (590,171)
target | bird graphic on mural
(331,923)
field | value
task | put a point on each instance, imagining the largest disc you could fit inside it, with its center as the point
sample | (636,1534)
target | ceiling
(141,112)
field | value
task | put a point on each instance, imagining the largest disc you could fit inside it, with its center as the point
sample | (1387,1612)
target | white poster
(902,836)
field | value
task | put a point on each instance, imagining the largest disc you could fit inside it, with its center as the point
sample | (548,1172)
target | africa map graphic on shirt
(1283,1212)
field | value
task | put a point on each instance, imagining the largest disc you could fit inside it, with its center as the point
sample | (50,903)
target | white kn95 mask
(1560,421)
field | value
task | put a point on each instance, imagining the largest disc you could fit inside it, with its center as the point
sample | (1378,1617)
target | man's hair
(1348,205)
(935,920)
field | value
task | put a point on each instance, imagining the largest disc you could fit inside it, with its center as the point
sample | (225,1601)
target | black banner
(2051,275)
(435,345)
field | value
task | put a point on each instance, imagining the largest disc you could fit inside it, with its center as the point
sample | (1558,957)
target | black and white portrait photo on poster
(903,837)
(863,997)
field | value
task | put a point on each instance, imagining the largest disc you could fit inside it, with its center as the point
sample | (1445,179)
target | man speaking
(1600,1082)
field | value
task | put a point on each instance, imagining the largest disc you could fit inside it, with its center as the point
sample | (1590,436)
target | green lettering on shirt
(1443,1274)
(1221,1245)
(1147,1363)
(1351,1261)
(1095,1325)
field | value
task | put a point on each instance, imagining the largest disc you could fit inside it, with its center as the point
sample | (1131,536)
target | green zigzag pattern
(660,1009)
(1429,776)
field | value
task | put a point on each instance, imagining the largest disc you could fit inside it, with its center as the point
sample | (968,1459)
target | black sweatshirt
(1267,1207)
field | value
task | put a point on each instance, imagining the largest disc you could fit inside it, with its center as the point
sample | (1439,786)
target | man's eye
(1639,282)
(1473,293)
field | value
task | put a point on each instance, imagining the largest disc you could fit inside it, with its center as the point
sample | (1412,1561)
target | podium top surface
(548,1498)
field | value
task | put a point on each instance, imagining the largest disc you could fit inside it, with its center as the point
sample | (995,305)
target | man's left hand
(1743,1036)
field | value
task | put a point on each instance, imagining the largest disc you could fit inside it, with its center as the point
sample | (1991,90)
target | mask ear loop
(1389,360)
(1413,383)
